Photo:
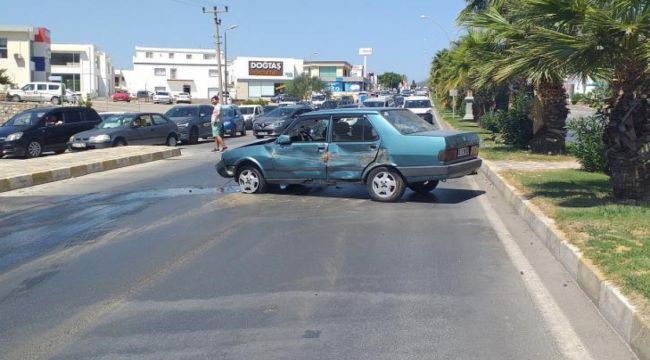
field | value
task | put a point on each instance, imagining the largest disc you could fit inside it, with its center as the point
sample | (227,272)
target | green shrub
(255,102)
(492,121)
(577,98)
(598,98)
(589,147)
(516,126)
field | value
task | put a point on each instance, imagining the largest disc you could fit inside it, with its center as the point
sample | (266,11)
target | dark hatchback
(193,121)
(127,129)
(33,132)
(273,123)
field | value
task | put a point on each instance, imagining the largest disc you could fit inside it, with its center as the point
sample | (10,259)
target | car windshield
(115,121)
(182,111)
(417,104)
(246,110)
(162,93)
(318,98)
(374,103)
(281,112)
(407,122)
(27,118)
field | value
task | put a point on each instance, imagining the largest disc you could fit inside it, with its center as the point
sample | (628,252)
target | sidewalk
(19,173)
(628,317)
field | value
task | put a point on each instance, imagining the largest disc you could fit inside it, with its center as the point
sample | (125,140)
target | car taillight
(474,150)
(448,155)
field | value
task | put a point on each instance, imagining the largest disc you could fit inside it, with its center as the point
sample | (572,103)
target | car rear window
(406,122)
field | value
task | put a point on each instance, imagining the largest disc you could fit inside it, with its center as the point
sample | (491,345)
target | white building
(257,77)
(83,68)
(174,70)
(25,53)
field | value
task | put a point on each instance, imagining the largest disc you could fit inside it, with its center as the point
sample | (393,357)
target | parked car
(398,100)
(33,132)
(381,102)
(121,96)
(72,96)
(318,100)
(406,92)
(385,149)
(421,92)
(193,121)
(127,129)
(269,107)
(184,98)
(144,95)
(329,104)
(38,91)
(232,120)
(421,106)
(250,113)
(274,122)
(162,97)
(284,97)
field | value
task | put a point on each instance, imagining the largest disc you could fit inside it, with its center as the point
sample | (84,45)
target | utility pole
(217,22)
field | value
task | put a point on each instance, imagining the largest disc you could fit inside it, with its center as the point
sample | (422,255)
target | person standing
(217,126)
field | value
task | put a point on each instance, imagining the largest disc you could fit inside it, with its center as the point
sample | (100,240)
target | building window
(148,55)
(188,56)
(172,74)
(159,71)
(213,73)
(3,48)
(209,56)
(64,59)
(327,71)
(171,55)
(160,89)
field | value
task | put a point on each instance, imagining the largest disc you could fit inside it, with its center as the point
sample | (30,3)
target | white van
(38,91)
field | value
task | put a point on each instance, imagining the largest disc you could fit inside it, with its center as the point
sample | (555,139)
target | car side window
(309,130)
(54,119)
(353,129)
(158,120)
(91,116)
(41,87)
(71,117)
(28,87)
(144,120)
(53,87)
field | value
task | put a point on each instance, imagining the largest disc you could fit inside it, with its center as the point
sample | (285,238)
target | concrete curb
(614,306)
(37,178)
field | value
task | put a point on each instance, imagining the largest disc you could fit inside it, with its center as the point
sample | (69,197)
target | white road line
(563,333)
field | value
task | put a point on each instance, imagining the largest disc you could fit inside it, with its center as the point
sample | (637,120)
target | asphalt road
(164,261)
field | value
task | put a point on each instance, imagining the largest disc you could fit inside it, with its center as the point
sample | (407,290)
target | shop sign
(265,68)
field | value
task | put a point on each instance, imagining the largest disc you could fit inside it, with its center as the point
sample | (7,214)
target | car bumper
(267,131)
(440,172)
(184,133)
(9,148)
(88,146)
(225,170)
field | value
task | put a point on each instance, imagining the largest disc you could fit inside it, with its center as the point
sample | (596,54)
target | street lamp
(425,17)
(225,45)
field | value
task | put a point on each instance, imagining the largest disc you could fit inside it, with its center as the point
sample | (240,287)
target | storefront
(257,77)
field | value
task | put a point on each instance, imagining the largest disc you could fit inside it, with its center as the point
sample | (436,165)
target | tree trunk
(549,121)
(627,137)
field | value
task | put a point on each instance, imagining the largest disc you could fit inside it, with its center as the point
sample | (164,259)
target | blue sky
(335,29)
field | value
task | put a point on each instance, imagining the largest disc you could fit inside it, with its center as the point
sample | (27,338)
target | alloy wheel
(249,182)
(384,185)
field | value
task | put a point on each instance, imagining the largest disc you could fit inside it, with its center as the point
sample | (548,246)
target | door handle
(373,147)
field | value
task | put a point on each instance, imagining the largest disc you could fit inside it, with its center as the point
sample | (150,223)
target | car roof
(411,98)
(360,110)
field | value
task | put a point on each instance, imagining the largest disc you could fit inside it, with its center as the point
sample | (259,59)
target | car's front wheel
(251,180)
(15,98)
(171,140)
(424,186)
(385,184)
(34,149)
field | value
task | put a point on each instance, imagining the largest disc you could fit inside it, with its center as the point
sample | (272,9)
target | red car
(120,96)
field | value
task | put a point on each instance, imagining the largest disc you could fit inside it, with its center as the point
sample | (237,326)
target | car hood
(273,119)
(181,119)
(94,132)
(8,130)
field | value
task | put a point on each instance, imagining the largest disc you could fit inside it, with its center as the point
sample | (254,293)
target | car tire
(243,130)
(423,187)
(119,142)
(171,140)
(54,100)
(15,98)
(259,136)
(34,149)
(194,136)
(58,152)
(251,180)
(385,185)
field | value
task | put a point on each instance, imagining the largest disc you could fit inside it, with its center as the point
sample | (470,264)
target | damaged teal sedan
(387,149)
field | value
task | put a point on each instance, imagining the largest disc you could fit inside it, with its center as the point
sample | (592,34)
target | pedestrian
(217,126)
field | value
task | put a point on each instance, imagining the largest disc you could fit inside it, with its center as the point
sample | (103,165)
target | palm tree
(607,40)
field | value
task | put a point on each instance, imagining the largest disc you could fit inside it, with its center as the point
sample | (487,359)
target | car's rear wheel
(385,184)
(194,136)
(251,180)
(424,186)
(54,100)
(171,140)
(61,151)
(34,149)
(243,130)
(15,98)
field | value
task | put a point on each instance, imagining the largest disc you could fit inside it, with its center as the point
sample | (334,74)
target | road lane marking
(562,331)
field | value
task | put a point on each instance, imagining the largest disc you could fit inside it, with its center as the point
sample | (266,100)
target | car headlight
(15,136)
(99,138)
(71,139)
(227,123)
(183,125)
(277,124)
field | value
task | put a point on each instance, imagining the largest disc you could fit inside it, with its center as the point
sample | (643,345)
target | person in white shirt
(217,126)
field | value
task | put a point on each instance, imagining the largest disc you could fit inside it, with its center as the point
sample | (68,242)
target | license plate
(463,152)
(77,145)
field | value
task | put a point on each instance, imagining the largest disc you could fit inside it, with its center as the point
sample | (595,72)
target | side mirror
(284,140)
